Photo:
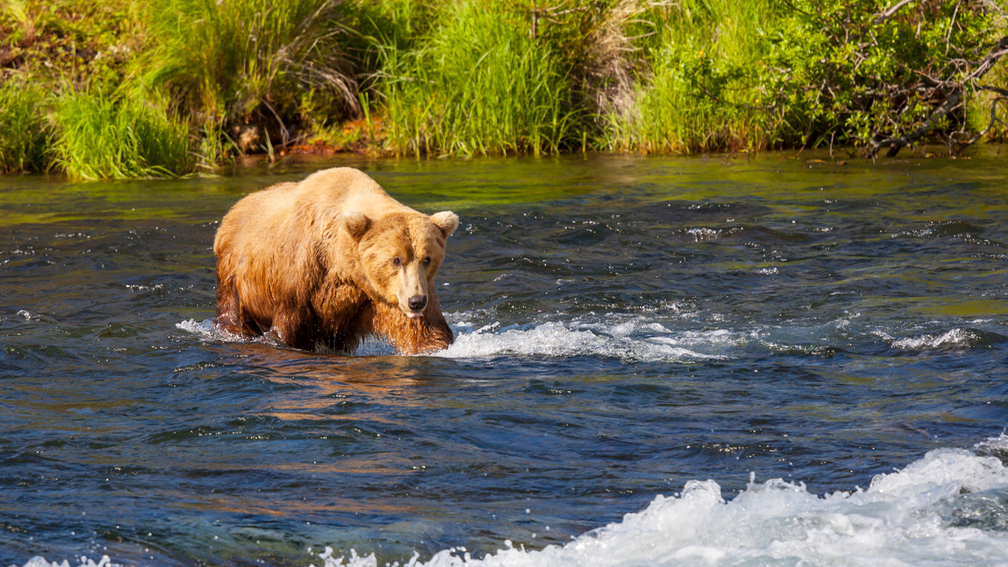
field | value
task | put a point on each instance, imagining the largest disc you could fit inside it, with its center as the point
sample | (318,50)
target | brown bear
(330,260)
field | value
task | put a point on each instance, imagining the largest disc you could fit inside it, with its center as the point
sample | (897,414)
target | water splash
(632,340)
(955,338)
(208,331)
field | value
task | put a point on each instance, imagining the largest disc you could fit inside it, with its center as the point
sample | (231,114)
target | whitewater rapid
(948,508)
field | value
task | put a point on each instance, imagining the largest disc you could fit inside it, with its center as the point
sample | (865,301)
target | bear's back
(257,212)
(345,189)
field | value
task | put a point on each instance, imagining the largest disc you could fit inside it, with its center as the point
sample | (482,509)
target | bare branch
(896,144)
(889,12)
(993,120)
(1000,91)
(952,101)
(998,51)
(992,5)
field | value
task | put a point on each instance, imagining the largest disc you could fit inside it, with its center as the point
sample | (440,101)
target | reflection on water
(625,326)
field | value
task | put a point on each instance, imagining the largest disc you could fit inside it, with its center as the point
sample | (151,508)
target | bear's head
(399,255)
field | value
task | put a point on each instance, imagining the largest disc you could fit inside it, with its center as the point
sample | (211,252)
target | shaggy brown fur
(330,260)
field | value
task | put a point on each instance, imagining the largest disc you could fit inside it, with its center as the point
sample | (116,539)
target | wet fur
(309,263)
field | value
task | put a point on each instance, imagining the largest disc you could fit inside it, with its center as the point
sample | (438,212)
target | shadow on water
(624,325)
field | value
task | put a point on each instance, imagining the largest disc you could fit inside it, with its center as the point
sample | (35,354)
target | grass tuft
(703,92)
(242,61)
(102,136)
(478,83)
(24,132)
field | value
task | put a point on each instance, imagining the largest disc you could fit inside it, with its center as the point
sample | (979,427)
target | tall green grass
(101,136)
(477,83)
(704,92)
(24,132)
(382,25)
(230,61)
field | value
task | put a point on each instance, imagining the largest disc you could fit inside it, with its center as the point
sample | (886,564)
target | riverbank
(122,90)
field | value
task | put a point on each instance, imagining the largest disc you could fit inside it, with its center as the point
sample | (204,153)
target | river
(659,361)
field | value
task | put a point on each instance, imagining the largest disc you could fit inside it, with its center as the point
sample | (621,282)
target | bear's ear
(356,224)
(447,221)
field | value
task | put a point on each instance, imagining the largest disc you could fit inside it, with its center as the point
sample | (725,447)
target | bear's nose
(418,302)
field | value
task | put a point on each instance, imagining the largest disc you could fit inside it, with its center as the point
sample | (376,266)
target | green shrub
(854,76)
(24,132)
(796,73)
(102,136)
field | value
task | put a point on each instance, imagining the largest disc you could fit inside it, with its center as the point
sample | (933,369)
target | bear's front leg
(296,327)
(340,308)
(232,316)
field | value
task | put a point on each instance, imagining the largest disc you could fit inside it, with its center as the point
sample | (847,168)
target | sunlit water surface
(658,362)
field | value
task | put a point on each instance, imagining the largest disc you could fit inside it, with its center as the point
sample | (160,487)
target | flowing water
(658,362)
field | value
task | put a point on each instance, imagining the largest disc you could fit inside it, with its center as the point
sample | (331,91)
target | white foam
(354,559)
(39,561)
(702,234)
(207,330)
(663,335)
(953,338)
(994,445)
(632,339)
(629,338)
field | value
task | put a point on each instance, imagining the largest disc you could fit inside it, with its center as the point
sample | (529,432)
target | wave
(632,340)
(948,508)
(954,339)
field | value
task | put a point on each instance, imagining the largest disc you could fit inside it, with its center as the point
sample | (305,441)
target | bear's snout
(417,303)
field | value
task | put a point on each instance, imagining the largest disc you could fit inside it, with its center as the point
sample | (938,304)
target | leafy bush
(796,73)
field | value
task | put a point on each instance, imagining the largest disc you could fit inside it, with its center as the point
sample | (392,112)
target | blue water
(658,361)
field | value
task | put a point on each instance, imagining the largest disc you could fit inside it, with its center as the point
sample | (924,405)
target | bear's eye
(397,261)
(427,261)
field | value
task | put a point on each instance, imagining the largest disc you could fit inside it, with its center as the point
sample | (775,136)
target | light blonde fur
(330,260)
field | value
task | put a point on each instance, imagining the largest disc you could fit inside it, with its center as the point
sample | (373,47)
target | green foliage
(476,84)
(24,132)
(384,25)
(988,110)
(767,73)
(102,136)
(864,76)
